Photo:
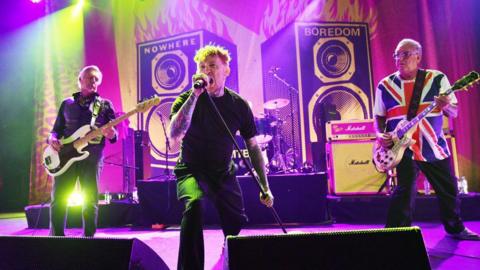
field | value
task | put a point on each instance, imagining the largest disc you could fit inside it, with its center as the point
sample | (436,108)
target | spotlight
(78,7)
(75,199)
(35,1)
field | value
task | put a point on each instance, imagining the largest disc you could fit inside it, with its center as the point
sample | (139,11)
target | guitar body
(386,159)
(56,163)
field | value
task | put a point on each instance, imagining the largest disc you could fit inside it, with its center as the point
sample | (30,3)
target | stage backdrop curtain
(448,30)
(61,50)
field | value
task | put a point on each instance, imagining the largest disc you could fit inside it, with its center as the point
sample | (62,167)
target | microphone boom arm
(247,164)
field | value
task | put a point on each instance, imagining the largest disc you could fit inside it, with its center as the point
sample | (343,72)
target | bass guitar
(386,159)
(56,163)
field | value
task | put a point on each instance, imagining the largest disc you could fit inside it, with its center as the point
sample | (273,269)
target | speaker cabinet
(394,248)
(22,252)
(331,69)
(165,68)
(350,168)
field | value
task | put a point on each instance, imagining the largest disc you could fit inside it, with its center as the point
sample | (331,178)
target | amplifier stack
(349,158)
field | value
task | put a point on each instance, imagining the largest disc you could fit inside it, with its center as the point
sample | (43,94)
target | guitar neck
(97,132)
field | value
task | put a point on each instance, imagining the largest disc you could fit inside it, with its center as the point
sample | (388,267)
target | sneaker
(466,234)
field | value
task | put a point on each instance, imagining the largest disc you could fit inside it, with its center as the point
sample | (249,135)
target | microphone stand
(290,90)
(167,171)
(167,147)
(255,176)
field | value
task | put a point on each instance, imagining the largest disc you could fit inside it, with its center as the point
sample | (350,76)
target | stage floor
(444,252)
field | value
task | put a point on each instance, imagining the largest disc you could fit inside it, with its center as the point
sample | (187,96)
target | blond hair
(212,50)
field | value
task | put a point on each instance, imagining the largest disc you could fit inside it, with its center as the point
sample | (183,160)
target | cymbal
(276,103)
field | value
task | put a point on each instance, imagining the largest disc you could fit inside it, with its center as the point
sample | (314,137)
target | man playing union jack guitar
(427,149)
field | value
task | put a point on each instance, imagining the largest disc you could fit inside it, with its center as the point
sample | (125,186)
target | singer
(205,168)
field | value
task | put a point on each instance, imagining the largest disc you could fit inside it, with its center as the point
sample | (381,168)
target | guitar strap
(97,104)
(417,93)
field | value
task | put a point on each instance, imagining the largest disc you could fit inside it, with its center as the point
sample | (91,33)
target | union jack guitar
(56,163)
(386,159)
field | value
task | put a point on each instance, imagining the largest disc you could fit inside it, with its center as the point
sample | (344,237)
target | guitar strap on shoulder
(417,93)
(97,104)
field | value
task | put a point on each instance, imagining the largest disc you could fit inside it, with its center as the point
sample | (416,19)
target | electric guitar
(56,163)
(386,159)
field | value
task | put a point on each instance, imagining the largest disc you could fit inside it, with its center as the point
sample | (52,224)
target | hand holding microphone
(200,81)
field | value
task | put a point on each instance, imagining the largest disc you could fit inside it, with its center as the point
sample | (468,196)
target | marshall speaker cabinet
(350,168)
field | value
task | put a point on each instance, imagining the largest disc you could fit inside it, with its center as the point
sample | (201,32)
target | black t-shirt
(206,143)
(72,115)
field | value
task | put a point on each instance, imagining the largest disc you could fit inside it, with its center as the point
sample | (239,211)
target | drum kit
(279,158)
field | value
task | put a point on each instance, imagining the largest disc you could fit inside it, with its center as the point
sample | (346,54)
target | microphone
(201,83)
(273,70)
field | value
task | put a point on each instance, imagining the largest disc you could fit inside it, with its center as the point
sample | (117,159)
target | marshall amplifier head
(350,130)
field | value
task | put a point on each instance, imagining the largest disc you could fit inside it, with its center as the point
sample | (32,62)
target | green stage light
(75,199)
(77,10)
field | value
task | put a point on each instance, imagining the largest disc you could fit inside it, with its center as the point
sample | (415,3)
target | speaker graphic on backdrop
(332,72)
(165,68)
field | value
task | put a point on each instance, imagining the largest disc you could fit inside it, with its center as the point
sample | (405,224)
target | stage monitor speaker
(24,252)
(350,168)
(143,162)
(393,248)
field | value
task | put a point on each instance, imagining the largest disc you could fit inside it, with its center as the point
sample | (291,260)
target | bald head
(413,45)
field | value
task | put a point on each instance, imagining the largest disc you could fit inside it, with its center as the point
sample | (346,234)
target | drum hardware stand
(291,90)
(279,156)
(249,167)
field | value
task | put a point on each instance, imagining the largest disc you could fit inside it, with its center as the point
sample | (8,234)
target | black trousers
(87,173)
(221,187)
(442,180)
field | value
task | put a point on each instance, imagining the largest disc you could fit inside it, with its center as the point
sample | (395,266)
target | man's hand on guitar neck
(109,133)
(54,142)
(384,139)
(442,101)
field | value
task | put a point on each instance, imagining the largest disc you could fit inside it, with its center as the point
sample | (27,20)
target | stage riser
(298,199)
(374,209)
(111,215)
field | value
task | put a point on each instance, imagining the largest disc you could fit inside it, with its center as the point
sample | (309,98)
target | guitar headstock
(466,81)
(147,104)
